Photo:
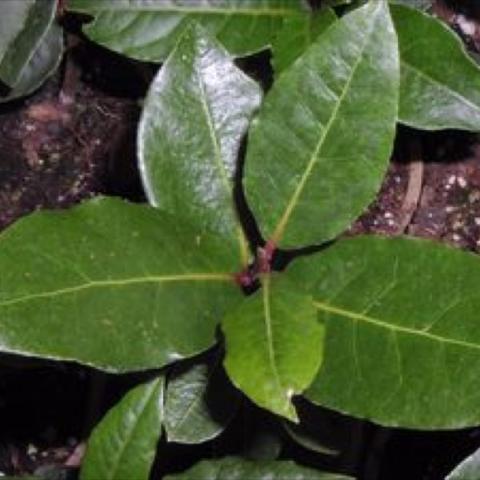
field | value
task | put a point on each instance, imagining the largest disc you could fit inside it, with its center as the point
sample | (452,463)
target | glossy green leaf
(440,83)
(469,469)
(200,403)
(319,149)
(44,62)
(231,468)
(124,443)
(195,115)
(402,345)
(298,32)
(272,344)
(111,273)
(23,25)
(148,30)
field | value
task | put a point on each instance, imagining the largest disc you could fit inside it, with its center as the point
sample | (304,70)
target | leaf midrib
(218,160)
(282,224)
(352,315)
(193,277)
(130,433)
(269,332)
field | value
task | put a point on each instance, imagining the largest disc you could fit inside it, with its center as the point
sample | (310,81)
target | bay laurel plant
(385,329)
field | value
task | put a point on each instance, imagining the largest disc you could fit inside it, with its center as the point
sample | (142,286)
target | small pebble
(467,26)
(474,196)
(477,221)
(462,182)
(32,449)
(456,237)
(457,225)
(451,179)
(388,215)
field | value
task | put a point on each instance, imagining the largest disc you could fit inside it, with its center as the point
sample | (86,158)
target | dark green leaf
(123,445)
(469,469)
(319,149)
(237,469)
(41,65)
(440,83)
(402,344)
(23,25)
(200,403)
(272,344)
(111,273)
(297,34)
(195,115)
(149,30)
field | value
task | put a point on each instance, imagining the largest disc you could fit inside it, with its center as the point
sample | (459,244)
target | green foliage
(127,273)
(199,95)
(243,26)
(123,445)
(200,403)
(440,83)
(238,469)
(296,35)
(399,330)
(31,45)
(299,168)
(377,328)
(273,343)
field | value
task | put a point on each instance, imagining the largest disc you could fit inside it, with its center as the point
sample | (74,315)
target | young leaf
(109,272)
(124,443)
(23,25)
(402,341)
(42,64)
(469,469)
(298,32)
(231,468)
(148,30)
(200,403)
(195,115)
(440,83)
(319,149)
(272,344)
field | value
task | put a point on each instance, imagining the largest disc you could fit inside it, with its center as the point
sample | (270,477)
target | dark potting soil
(74,139)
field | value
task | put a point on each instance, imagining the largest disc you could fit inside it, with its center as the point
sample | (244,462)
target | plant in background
(379,328)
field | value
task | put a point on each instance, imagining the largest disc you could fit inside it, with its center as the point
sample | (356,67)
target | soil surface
(75,138)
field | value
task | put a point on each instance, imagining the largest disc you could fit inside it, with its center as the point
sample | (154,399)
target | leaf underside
(319,149)
(195,115)
(148,30)
(124,443)
(111,273)
(402,340)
